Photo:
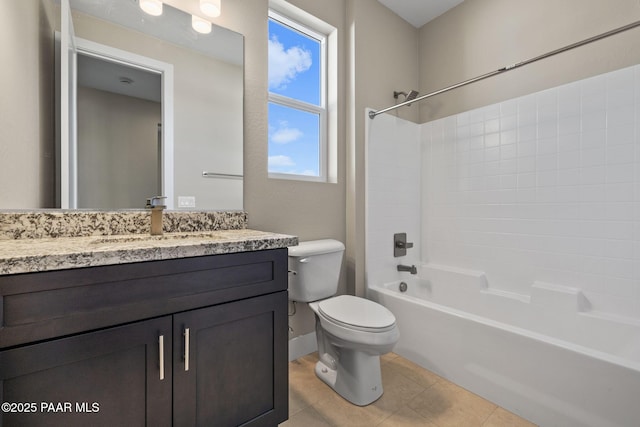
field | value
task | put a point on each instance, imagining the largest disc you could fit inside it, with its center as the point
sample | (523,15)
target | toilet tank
(314,269)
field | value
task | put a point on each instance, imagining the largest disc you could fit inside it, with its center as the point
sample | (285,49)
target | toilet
(352,332)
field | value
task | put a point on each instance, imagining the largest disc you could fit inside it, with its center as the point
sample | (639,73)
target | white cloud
(286,64)
(280,161)
(284,134)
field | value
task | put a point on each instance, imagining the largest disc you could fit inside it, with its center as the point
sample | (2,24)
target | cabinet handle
(161,348)
(186,349)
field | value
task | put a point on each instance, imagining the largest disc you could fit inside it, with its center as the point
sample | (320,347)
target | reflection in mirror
(121,140)
(119,123)
(207,102)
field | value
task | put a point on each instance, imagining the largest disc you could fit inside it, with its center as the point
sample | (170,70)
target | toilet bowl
(352,332)
(350,349)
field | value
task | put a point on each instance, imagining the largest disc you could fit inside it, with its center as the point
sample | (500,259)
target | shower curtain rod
(373,114)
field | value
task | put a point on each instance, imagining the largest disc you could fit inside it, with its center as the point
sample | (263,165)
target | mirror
(207,81)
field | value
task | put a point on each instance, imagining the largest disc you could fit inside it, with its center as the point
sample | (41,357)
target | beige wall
(382,64)
(480,36)
(117,150)
(27,144)
(308,210)
(305,209)
(383,60)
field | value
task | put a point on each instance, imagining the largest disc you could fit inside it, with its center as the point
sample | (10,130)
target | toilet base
(357,376)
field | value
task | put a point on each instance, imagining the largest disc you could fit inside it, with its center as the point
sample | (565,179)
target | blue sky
(294,71)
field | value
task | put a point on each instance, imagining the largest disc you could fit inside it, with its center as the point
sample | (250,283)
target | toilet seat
(357,313)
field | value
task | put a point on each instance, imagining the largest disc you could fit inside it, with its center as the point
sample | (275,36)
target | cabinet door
(235,370)
(105,378)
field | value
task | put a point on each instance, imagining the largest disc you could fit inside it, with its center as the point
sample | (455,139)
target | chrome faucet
(410,268)
(156,204)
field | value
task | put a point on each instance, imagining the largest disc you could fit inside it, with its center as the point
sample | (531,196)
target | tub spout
(410,268)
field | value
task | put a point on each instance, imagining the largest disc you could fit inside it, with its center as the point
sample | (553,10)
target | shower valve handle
(405,245)
(400,244)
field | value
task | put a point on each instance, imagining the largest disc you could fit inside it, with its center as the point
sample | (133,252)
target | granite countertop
(44,254)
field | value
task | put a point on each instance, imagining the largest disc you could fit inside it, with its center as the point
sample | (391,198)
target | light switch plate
(186,202)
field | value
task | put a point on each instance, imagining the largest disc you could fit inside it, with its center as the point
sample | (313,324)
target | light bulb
(210,7)
(152,7)
(200,25)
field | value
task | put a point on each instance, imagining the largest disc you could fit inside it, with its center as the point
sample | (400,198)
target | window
(298,127)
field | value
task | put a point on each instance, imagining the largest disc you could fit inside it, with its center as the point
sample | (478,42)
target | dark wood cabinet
(103,378)
(211,352)
(241,342)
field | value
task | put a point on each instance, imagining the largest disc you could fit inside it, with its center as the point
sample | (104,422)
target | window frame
(320,110)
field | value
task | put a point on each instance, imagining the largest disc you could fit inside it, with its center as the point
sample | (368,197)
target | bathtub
(545,356)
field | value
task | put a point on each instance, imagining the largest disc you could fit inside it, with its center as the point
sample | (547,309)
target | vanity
(114,328)
(100,323)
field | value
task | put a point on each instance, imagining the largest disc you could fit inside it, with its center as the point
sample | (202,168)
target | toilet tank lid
(316,247)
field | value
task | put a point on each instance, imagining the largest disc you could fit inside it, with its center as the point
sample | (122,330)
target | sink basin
(127,238)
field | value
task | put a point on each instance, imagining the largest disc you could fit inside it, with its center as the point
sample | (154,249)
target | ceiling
(115,77)
(419,12)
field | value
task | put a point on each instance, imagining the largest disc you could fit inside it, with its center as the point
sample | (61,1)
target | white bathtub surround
(558,298)
(528,254)
(546,380)
(544,188)
(552,314)
(393,194)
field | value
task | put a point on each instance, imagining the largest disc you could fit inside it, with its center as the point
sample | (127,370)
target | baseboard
(302,345)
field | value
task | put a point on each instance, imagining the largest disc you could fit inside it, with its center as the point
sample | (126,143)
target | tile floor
(413,396)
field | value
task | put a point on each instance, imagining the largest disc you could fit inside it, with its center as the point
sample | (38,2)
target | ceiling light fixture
(210,8)
(152,7)
(200,25)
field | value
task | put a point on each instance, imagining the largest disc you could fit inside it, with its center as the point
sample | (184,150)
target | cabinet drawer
(39,306)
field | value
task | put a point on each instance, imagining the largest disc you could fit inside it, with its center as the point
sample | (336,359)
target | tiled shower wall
(545,187)
(393,195)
